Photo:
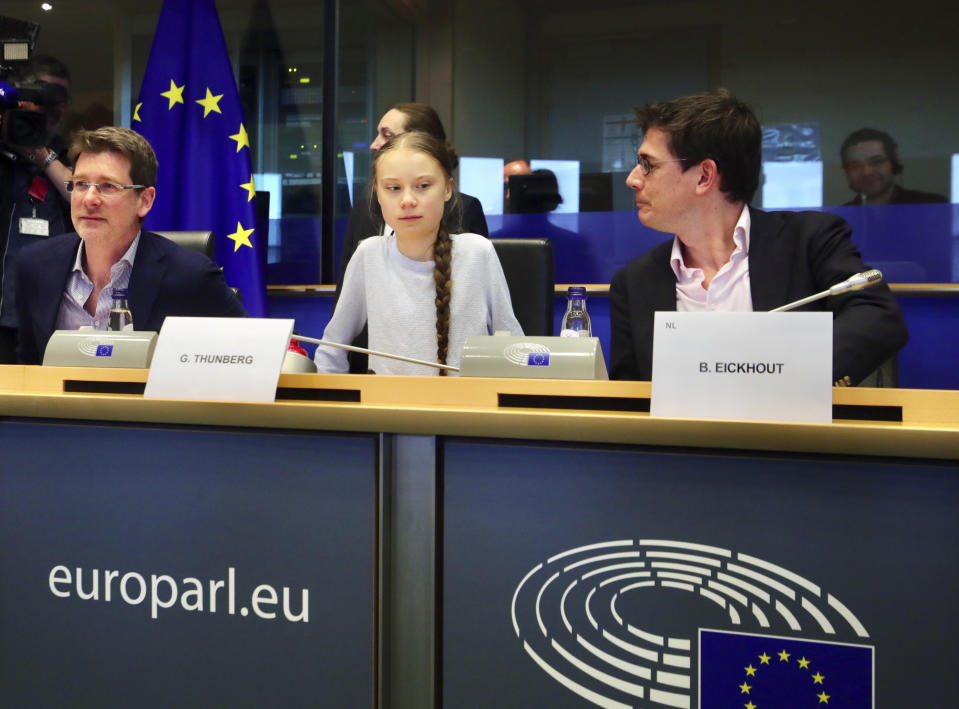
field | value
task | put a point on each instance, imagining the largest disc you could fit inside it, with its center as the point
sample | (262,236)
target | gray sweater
(395,295)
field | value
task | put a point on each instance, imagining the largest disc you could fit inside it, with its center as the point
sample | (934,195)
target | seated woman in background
(421,289)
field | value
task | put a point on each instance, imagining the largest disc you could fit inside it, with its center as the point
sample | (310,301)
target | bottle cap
(295,347)
(576,292)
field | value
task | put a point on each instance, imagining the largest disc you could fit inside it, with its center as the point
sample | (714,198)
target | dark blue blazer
(165,280)
(791,255)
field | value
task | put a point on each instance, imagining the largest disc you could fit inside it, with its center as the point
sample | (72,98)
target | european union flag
(764,671)
(538,359)
(190,112)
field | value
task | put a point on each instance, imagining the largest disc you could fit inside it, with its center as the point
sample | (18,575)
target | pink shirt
(729,290)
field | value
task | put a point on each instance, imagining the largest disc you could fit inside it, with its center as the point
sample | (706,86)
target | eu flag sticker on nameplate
(747,366)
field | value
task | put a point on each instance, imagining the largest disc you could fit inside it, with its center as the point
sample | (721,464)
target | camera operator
(34,204)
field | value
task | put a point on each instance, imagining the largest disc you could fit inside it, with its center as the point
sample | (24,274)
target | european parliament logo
(593,618)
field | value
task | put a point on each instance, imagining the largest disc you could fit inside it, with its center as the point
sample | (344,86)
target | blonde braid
(442,275)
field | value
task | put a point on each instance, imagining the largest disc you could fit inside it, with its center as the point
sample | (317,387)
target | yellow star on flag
(744,688)
(241,237)
(784,656)
(750,671)
(823,698)
(818,678)
(175,94)
(749,705)
(248,186)
(804,663)
(241,138)
(764,659)
(209,103)
(136,113)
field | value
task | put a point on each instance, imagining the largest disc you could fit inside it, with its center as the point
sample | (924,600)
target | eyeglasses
(647,165)
(106,189)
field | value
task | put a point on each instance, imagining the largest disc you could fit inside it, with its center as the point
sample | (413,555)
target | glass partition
(557,82)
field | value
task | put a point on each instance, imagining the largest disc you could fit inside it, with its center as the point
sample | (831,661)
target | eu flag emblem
(104,350)
(189,109)
(538,359)
(764,671)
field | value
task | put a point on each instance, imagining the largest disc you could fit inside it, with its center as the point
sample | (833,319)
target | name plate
(218,359)
(749,366)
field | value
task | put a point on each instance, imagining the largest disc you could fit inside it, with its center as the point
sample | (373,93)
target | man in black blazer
(698,168)
(67,281)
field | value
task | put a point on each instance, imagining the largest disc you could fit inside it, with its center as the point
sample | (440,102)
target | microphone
(8,94)
(854,282)
(375,353)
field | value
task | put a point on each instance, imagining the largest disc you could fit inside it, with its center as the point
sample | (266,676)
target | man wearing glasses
(66,282)
(870,159)
(698,168)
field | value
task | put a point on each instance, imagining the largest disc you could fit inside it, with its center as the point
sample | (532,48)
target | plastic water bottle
(120,316)
(576,319)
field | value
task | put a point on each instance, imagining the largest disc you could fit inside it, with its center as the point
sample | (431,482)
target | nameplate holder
(128,349)
(219,359)
(533,357)
(743,366)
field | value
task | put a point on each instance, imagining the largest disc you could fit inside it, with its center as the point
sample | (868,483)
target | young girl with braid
(422,290)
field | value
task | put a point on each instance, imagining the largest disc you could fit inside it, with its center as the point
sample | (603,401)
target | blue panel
(290,511)
(930,360)
(910,243)
(590,545)
(310,313)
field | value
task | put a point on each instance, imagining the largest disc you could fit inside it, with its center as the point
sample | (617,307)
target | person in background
(870,159)
(536,193)
(422,289)
(513,167)
(66,282)
(34,204)
(697,170)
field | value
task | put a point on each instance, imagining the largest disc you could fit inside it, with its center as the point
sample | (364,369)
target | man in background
(870,159)
(513,167)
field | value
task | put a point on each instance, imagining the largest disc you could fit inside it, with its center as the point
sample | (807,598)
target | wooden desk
(925,423)
(463,487)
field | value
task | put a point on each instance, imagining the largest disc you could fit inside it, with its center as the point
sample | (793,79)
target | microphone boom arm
(856,282)
(361,350)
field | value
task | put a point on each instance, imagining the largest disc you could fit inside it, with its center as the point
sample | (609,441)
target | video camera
(22,127)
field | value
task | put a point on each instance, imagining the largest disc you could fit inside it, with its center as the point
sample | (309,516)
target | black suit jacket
(165,280)
(900,195)
(791,255)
